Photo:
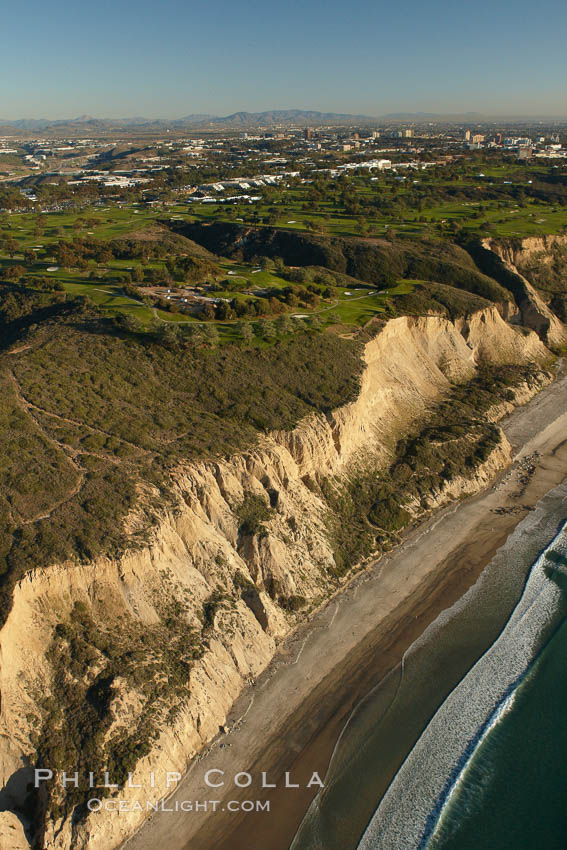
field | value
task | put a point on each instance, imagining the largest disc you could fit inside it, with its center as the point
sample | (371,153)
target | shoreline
(291,717)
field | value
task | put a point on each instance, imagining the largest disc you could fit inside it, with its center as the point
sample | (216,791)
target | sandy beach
(290,718)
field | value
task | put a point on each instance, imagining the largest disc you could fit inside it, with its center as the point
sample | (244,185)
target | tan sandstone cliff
(516,256)
(196,549)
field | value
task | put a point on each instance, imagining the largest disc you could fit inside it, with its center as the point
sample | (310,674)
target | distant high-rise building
(467,135)
(477,138)
(307,133)
(498,138)
(408,134)
(355,136)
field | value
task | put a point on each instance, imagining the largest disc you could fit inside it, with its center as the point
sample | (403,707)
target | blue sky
(171,58)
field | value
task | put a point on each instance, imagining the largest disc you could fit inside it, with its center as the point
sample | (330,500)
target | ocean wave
(429,778)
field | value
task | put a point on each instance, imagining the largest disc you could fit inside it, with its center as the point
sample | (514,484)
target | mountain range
(243,120)
(270,118)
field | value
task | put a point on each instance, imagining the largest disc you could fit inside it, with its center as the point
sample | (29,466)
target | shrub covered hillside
(438,299)
(376,261)
(370,509)
(89,410)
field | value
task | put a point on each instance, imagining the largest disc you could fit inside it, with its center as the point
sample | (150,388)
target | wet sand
(290,719)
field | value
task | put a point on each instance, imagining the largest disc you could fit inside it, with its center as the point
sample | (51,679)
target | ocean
(465,744)
(513,792)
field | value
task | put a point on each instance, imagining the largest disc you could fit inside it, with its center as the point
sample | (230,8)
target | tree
(266,329)
(105,256)
(276,306)
(14,273)
(223,311)
(246,332)
(211,334)
(10,245)
(169,334)
(128,323)
(195,333)
(388,280)
(330,292)
(284,325)
(259,327)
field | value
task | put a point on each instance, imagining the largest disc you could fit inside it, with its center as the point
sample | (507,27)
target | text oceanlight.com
(122,806)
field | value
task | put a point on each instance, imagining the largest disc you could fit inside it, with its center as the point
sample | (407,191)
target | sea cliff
(241,585)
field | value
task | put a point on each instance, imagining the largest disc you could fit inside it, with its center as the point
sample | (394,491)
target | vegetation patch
(92,664)
(93,411)
(367,513)
(252,513)
(439,299)
(378,262)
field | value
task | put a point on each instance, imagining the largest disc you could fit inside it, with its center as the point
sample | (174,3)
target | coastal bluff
(244,588)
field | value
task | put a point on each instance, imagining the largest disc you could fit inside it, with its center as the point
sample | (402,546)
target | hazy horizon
(401,114)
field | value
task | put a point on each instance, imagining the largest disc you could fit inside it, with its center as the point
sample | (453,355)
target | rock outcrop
(534,311)
(12,835)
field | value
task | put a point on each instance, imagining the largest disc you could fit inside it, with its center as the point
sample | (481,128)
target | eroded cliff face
(519,256)
(520,251)
(12,834)
(199,549)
